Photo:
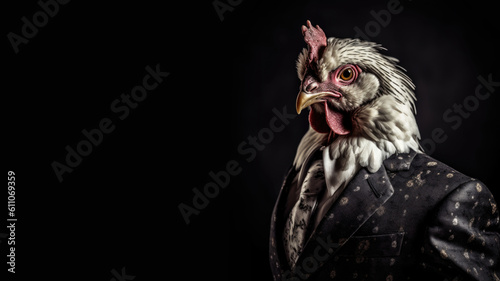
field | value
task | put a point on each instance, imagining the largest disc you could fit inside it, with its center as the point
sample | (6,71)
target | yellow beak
(304,99)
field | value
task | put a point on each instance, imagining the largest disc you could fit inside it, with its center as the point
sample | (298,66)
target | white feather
(382,106)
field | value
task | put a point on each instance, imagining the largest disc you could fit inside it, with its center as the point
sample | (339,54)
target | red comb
(315,39)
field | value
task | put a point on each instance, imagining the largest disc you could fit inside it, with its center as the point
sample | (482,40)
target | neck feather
(380,129)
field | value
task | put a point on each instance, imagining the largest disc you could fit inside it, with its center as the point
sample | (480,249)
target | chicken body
(362,201)
(362,109)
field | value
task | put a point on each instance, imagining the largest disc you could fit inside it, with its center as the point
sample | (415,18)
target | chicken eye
(346,74)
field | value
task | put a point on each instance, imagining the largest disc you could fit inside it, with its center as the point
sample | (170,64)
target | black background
(119,207)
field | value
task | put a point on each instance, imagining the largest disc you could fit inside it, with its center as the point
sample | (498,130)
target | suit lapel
(362,197)
(276,252)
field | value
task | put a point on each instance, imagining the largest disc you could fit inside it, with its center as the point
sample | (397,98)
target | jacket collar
(400,161)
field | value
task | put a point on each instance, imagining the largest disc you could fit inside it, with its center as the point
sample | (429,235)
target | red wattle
(329,120)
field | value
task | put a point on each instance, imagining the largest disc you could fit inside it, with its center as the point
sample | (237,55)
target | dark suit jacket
(414,219)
